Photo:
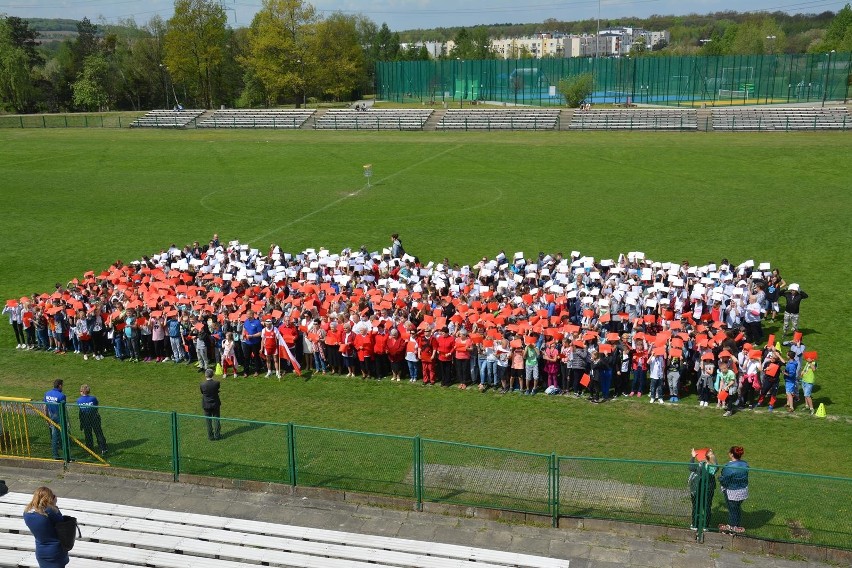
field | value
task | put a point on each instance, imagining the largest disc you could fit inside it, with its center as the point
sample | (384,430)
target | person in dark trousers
(252,329)
(705,460)
(734,482)
(211,404)
(794,298)
(90,419)
(52,400)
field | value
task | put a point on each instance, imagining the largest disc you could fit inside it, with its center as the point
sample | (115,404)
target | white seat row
(374,119)
(638,119)
(166,118)
(261,118)
(499,119)
(218,542)
(795,118)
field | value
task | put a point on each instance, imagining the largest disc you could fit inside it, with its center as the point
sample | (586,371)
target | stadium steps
(431,123)
(121,535)
(207,114)
(311,122)
(705,119)
(565,117)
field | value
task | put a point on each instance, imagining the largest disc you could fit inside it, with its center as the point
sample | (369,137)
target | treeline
(733,32)
(291,54)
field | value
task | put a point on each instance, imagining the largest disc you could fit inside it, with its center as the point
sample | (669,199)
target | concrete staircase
(309,124)
(565,117)
(207,114)
(705,119)
(434,119)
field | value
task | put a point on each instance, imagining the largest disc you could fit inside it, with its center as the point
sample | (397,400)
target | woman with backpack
(41,516)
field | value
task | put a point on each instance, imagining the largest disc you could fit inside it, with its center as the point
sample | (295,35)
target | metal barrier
(782,506)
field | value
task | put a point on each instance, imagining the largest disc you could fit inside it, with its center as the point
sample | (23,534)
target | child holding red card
(808,378)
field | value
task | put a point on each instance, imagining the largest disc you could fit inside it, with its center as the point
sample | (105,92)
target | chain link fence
(71,120)
(781,506)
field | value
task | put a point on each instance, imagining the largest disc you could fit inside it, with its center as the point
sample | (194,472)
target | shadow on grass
(245,427)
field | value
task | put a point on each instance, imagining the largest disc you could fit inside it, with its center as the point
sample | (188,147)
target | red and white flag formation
(284,351)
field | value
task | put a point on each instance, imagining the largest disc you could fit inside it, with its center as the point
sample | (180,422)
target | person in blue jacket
(52,399)
(41,516)
(90,419)
(734,482)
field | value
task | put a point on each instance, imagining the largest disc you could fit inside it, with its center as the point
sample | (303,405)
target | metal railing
(428,471)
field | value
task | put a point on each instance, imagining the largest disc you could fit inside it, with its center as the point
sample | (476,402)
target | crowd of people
(551,323)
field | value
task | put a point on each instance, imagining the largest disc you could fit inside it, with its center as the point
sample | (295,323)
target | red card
(772,370)
(771,339)
(585,380)
(723,395)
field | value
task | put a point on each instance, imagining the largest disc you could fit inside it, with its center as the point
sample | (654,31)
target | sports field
(77,200)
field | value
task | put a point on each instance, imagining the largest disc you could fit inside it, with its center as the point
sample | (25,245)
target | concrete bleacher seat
(499,119)
(120,535)
(257,118)
(373,119)
(634,119)
(781,118)
(167,119)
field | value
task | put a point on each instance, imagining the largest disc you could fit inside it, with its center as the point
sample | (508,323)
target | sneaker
(638,395)
(725,529)
(19,346)
(812,411)
(235,375)
(278,374)
(85,357)
(653,400)
(727,413)
(769,409)
(660,401)
(693,528)
(631,394)
(268,374)
(738,530)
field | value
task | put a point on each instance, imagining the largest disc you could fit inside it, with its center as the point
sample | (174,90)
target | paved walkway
(584,548)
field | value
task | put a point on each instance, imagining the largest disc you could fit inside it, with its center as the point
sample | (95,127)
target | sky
(411,14)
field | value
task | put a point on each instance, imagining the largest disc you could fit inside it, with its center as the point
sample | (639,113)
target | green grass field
(75,200)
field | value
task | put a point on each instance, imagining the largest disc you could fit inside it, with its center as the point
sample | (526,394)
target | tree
(335,44)
(387,46)
(23,37)
(16,86)
(576,89)
(279,48)
(639,47)
(194,46)
(92,89)
(838,36)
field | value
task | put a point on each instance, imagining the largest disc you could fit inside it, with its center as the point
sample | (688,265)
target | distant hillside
(684,29)
(52,25)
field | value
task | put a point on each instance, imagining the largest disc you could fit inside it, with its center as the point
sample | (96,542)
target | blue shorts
(808,388)
(790,387)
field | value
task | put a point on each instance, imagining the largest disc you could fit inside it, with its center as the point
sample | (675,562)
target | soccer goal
(736,83)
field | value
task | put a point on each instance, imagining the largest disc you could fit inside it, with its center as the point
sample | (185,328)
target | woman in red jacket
(363,343)
(396,347)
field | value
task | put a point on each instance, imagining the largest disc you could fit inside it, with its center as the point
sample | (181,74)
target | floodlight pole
(825,87)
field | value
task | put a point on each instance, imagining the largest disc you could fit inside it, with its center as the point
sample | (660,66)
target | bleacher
(373,119)
(634,119)
(167,119)
(500,119)
(257,118)
(781,118)
(122,535)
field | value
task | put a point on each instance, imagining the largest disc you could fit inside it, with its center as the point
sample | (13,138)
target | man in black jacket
(211,404)
(794,298)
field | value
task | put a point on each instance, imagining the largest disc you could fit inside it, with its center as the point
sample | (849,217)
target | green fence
(690,81)
(75,120)
(782,506)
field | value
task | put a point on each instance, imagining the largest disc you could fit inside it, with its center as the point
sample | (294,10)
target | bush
(576,89)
